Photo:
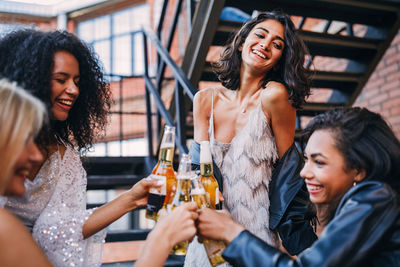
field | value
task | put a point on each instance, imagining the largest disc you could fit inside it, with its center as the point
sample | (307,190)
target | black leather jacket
(290,211)
(365,231)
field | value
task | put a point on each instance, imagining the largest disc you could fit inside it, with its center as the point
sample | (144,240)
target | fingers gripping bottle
(160,198)
(207,178)
(213,248)
(182,195)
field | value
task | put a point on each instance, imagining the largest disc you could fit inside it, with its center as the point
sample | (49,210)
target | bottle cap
(205,152)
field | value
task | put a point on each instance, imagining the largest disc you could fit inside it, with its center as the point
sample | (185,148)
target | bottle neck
(166,155)
(206,169)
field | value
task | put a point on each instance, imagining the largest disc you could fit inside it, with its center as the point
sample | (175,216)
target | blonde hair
(21,117)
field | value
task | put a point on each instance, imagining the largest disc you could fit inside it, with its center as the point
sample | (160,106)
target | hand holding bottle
(138,194)
(217,225)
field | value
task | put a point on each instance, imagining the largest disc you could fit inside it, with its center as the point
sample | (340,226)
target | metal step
(115,165)
(369,12)
(313,108)
(342,81)
(112,181)
(319,44)
(127,235)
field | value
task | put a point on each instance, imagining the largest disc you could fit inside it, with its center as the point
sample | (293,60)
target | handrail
(183,85)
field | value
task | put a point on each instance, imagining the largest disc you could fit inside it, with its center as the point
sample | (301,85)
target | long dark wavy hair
(289,70)
(365,140)
(27,57)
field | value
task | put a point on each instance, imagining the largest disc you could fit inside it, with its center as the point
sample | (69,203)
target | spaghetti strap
(211,121)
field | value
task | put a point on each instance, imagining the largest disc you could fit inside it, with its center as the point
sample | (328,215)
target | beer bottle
(213,248)
(207,178)
(182,195)
(163,171)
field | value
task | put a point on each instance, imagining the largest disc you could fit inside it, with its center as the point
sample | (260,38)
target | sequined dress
(54,209)
(246,166)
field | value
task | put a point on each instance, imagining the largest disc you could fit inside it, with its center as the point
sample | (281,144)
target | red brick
(394,76)
(394,120)
(392,59)
(393,102)
(378,99)
(388,70)
(392,50)
(395,110)
(375,83)
(390,86)
(394,93)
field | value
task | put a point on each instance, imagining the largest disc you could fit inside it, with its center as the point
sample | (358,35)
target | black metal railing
(182,85)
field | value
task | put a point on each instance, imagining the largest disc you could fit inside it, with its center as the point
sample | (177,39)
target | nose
(72,89)
(305,172)
(35,155)
(266,43)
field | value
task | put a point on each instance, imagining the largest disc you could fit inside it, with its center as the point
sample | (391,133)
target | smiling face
(64,84)
(325,172)
(264,45)
(29,156)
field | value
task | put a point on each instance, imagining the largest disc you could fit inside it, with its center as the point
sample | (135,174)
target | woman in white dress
(21,117)
(62,71)
(250,120)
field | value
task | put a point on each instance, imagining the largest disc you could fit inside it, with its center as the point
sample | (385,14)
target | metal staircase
(359,53)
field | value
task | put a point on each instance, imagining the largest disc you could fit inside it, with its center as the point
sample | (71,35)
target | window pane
(85,31)
(121,22)
(103,49)
(138,54)
(141,17)
(122,55)
(102,27)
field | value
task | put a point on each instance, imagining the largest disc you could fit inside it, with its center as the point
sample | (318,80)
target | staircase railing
(153,88)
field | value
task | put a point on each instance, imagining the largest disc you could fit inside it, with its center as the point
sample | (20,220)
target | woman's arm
(17,245)
(366,216)
(175,227)
(276,105)
(201,114)
(113,210)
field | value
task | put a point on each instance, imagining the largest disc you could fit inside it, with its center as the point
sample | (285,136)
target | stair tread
(375,13)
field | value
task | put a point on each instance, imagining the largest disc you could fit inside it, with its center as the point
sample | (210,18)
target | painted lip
(314,188)
(65,104)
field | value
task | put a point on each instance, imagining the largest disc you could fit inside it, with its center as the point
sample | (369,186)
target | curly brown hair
(27,57)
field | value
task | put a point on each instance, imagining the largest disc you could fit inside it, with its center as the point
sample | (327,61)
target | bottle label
(155,202)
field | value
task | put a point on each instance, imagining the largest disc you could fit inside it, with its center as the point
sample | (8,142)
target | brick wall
(381,94)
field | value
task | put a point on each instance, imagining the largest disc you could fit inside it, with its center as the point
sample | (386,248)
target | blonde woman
(21,117)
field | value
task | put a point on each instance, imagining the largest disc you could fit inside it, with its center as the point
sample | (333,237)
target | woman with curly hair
(250,120)
(61,71)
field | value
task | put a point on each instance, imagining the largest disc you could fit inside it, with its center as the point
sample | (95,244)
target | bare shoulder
(275,97)
(9,223)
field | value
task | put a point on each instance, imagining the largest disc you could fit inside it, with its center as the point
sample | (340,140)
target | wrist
(127,202)
(232,230)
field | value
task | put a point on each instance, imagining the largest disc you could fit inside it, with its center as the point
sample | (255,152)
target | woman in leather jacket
(352,170)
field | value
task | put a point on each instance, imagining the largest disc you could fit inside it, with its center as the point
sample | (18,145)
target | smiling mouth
(314,188)
(259,53)
(65,102)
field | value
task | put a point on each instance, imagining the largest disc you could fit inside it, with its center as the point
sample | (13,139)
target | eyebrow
(65,74)
(317,154)
(267,31)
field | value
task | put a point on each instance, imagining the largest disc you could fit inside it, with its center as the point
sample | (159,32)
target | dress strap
(211,121)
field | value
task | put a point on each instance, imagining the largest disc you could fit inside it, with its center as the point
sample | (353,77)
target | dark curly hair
(27,57)
(365,140)
(289,70)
